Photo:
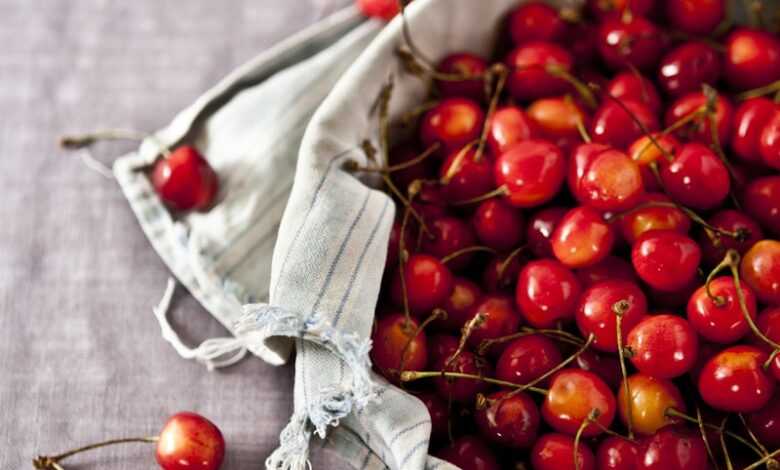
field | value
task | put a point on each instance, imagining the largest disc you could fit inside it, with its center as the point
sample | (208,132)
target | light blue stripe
(260,242)
(407,429)
(414,450)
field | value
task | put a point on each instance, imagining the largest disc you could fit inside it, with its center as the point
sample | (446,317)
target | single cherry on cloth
(750,119)
(573,396)
(765,423)
(720,319)
(665,259)
(465,64)
(629,41)
(510,420)
(582,238)
(647,217)
(696,177)
(498,225)
(452,123)
(685,68)
(673,448)
(769,143)
(531,172)
(697,17)
(730,220)
(556,452)
(439,413)
(760,269)
(761,199)
(598,309)
(463,176)
(614,125)
(530,77)
(398,344)
(610,181)
(547,292)
(459,389)
(469,453)
(664,346)
(541,226)
(616,453)
(734,380)
(649,399)
(535,21)
(634,86)
(508,126)
(752,58)
(611,267)
(527,358)
(459,306)
(428,284)
(498,318)
(698,129)
(184,180)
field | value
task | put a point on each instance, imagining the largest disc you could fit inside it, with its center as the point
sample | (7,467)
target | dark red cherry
(733,221)
(453,123)
(463,176)
(761,199)
(646,217)
(596,311)
(420,171)
(768,322)
(394,244)
(650,398)
(629,41)
(582,238)
(615,453)
(540,230)
(501,273)
(674,299)
(697,17)
(581,40)
(696,178)
(530,78)
(531,171)
(430,202)
(611,181)
(448,235)
(765,423)
(395,345)
(750,119)
(769,143)
(508,126)
(665,259)
(556,452)
(752,58)
(613,126)
(571,398)
(498,225)
(664,346)
(460,305)
(547,292)
(603,9)
(441,347)
(721,320)
(605,366)
(462,390)
(734,380)
(633,86)
(439,412)
(672,448)
(184,180)
(611,267)
(428,284)
(467,64)
(527,358)
(469,453)
(188,441)
(685,68)
(760,269)
(699,128)
(509,420)
(499,318)
(535,21)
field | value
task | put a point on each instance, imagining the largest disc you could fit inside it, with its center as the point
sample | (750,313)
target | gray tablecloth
(81,356)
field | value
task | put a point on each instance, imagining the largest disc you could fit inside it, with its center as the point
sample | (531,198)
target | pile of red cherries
(584,270)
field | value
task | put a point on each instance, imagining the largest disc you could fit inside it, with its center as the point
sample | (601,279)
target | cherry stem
(766,459)
(457,163)
(751,435)
(403,255)
(406,203)
(560,335)
(582,88)
(592,417)
(52,463)
(468,249)
(712,102)
(75,142)
(675,413)
(475,322)
(438,312)
(771,358)
(401,166)
(502,73)
(416,53)
(407,118)
(409,376)
(580,125)
(620,308)
(756,92)
(729,465)
(705,439)
(500,191)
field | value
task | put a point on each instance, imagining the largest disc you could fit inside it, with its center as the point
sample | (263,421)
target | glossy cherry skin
(498,225)
(615,453)
(650,398)
(609,268)
(529,78)
(760,269)
(430,202)
(734,380)
(731,221)
(382,9)
(582,238)
(718,323)
(579,161)
(769,143)
(664,346)
(184,180)
(531,171)
(547,292)
(634,86)
(685,68)
(765,423)
(603,9)
(403,178)
(556,452)
(644,151)
(750,119)
(188,441)
(761,198)
(696,178)
(633,41)
(527,358)
(697,17)
(572,395)
(469,453)
(463,176)
(557,118)
(611,182)
(535,21)
(452,123)
(699,129)
(596,312)
(439,413)
(441,347)
(768,322)
(646,217)
(511,421)
(462,390)
(540,229)
(390,338)
(672,448)
(463,63)
(508,126)
(665,259)
(613,126)
(752,58)
(449,234)
(460,305)
(428,284)
(499,318)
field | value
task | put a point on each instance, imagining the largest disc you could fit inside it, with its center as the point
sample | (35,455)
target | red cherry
(498,225)
(501,273)
(651,397)
(499,318)
(556,452)
(732,221)
(698,17)
(572,396)
(716,322)
(527,358)
(540,230)
(428,284)
(465,177)
(768,322)
(582,238)
(750,119)
(529,78)
(439,413)
(613,126)
(531,171)
(611,181)
(581,40)
(610,267)
(535,21)
(463,63)
(430,202)
(469,453)
(596,312)
(390,352)
(635,87)
(752,58)
(603,9)
(460,305)
(762,201)
(188,441)
(420,171)
(647,218)
(441,347)
(579,161)
(644,151)
(382,9)
(462,390)
(675,299)
(629,41)
(760,269)
(547,293)
(696,177)
(615,453)
(664,346)
(511,421)
(685,68)
(765,423)
(448,235)
(508,126)
(557,119)
(735,381)
(665,259)
(393,245)
(184,180)
(672,448)
(605,366)
(453,123)
(699,128)
(769,143)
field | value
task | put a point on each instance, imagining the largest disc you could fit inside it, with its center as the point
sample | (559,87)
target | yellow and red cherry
(465,64)
(469,453)
(557,452)
(734,221)
(665,259)
(765,423)
(184,180)
(398,343)
(769,142)
(465,295)
(582,238)
(687,67)
(696,177)
(508,126)
(616,453)
(761,198)
(531,172)
(498,225)
(439,413)
(462,390)
(188,441)
(614,125)
(466,177)
(610,268)
(664,346)
(599,306)
(629,85)
(452,123)
(697,17)
(558,119)
(535,21)
(750,119)
(629,41)
(547,293)
(720,319)
(647,217)
(428,284)
(672,448)
(529,65)
(541,226)
(605,366)
(734,380)
(498,318)
(650,399)
(752,58)
(698,129)
(579,160)
(644,151)
(527,358)
(610,181)
(760,269)
(509,420)
(572,397)
(449,235)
